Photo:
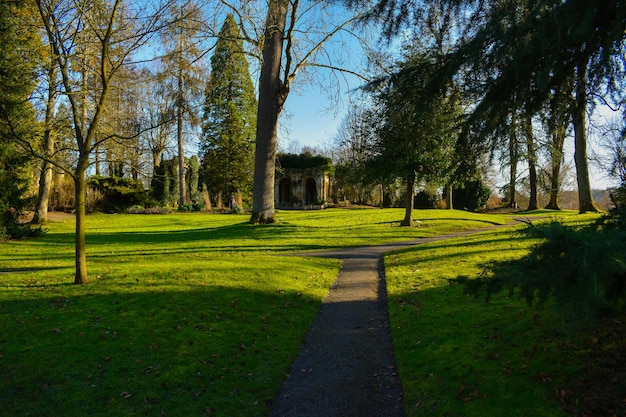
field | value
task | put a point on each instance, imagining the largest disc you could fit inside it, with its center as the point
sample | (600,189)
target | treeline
(480,84)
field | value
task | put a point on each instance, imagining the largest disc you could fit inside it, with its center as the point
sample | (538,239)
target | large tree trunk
(272,96)
(410,197)
(556,157)
(579,114)
(532,164)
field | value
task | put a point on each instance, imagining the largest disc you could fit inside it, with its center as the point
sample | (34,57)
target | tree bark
(272,96)
(579,114)
(80,188)
(45,178)
(410,197)
(182,189)
(512,172)
(448,192)
(532,164)
(556,158)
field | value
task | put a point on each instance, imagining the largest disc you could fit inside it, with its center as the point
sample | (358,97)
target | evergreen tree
(227,144)
(18,60)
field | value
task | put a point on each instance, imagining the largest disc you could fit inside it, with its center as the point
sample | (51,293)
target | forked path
(346,366)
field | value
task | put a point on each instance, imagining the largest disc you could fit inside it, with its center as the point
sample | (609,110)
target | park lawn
(184,314)
(462,356)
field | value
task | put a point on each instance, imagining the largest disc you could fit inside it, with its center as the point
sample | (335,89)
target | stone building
(302,181)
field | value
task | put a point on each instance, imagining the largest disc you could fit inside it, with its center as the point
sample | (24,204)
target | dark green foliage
(193,180)
(17,120)
(618,196)
(195,207)
(164,185)
(304,161)
(425,200)
(119,193)
(14,183)
(470,196)
(418,132)
(229,121)
(582,268)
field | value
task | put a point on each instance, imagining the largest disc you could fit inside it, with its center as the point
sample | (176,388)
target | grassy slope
(186,314)
(459,356)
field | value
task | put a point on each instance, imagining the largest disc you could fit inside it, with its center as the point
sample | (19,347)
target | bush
(137,209)
(195,207)
(471,195)
(582,268)
(118,193)
(426,199)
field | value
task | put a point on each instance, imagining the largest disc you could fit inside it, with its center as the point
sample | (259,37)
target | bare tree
(293,40)
(182,75)
(92,40)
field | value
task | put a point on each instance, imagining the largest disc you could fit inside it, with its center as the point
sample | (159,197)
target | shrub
(582,268)
(191,207)
(426,199)
(471,195)
(118,193)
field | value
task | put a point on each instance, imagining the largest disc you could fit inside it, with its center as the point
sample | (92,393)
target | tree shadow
(179,352)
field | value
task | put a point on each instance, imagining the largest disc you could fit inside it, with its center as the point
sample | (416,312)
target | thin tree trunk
(80,186)
(182,189)
(532,164)
(512,173)
(45,178)
(272,96)
(410,197)
(585,198)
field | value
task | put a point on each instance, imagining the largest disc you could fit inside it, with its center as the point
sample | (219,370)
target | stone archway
(284,191)
(310,191)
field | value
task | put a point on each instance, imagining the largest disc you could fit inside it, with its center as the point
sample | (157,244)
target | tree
(556,120)
(18,62)
(48,142)
(182,75)
(229,121)
(417,137)
(92,41)
(522,53)
(355,140)
(279,42)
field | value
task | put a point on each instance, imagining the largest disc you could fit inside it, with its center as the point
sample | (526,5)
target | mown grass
(461,356)
(185,314)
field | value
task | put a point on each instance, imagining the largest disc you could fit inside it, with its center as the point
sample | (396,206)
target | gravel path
(346,366)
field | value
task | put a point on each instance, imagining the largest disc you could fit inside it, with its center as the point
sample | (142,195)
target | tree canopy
(229,121)
(19,58)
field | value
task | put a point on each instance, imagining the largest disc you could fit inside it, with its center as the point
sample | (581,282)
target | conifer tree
(18,60)
(227,144)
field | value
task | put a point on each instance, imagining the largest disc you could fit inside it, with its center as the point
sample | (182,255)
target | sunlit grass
(184,314)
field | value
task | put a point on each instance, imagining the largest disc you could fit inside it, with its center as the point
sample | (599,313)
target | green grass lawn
(199,314)
(462,356)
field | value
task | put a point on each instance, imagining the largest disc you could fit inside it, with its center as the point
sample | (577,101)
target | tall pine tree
(227,144)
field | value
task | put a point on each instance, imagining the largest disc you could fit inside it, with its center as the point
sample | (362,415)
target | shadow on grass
(6,271)
(463,356)
(201,351)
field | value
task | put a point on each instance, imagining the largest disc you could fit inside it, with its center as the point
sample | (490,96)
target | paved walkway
(346,365)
